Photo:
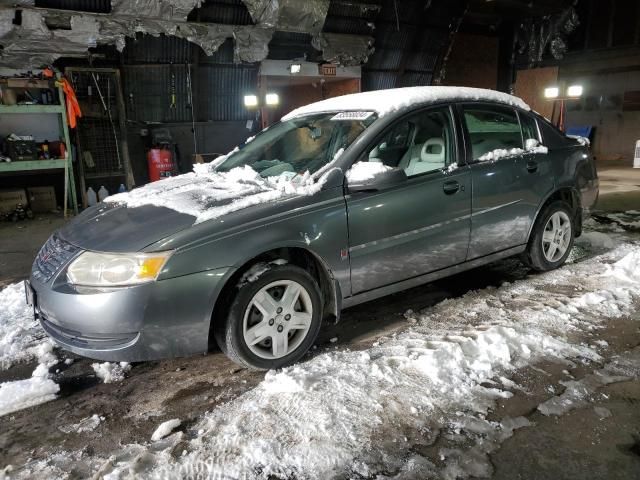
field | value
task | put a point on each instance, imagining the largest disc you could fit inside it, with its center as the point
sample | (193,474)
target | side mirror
(531,143)
(380,181)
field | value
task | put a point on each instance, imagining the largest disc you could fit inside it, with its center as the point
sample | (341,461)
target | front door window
(422,143)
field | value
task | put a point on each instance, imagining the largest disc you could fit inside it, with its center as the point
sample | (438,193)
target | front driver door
(422,224)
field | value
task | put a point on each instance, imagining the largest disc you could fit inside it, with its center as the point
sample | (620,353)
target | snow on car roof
(387,101)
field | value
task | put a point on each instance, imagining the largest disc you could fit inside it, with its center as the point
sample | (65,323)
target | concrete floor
(577,445)
(20,242)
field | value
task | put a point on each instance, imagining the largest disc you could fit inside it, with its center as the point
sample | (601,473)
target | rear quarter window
(552,137)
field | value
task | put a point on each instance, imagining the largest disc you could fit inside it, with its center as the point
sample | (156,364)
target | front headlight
(93,269)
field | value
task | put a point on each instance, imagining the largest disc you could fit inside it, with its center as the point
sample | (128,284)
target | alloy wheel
(556,236)
(277,319)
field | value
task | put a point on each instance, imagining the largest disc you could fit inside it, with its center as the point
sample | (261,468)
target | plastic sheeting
(164,9)
(344,49)
(289,15)
(537,36)
(33,44)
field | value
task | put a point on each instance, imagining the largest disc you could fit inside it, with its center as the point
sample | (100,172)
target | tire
(540,254)
(270,290)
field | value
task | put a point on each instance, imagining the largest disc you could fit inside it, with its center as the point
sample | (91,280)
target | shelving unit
(51,164)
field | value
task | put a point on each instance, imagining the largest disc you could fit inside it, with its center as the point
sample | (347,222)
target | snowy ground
(416,402)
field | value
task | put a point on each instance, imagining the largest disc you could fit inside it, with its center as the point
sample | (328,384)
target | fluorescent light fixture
(551,92)
(272,99)
(295,68)
(574,91)
(250,101)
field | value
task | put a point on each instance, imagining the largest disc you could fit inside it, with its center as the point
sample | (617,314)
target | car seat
(431,155)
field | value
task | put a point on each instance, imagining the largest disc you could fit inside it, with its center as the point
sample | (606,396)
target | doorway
(311,83)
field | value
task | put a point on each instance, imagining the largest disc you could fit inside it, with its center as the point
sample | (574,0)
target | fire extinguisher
(161,164)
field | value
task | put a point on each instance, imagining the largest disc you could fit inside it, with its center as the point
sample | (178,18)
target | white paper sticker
(352,116)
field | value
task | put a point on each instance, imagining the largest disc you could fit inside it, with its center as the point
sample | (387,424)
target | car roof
(385,102)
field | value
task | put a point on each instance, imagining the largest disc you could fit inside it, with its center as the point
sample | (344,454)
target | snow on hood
(387,101)
(206,194)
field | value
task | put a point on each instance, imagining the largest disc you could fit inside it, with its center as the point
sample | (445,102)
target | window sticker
(351,116)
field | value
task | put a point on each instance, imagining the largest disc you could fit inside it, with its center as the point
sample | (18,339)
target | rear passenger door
(500,216)
(534,166)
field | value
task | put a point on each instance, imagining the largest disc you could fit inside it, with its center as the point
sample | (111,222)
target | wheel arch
(296,255)
(569,195)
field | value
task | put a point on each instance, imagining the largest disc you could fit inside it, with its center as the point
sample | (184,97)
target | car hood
(116,228)
(211,201)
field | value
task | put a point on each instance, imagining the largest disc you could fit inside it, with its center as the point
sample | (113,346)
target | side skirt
(430,277)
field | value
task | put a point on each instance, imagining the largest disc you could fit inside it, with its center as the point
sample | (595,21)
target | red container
(160,164)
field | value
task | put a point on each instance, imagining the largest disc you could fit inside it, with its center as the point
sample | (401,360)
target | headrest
(433,150)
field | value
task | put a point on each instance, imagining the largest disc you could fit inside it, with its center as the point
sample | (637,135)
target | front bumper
(162,319)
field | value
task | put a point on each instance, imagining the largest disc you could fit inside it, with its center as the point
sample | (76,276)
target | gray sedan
(341,202)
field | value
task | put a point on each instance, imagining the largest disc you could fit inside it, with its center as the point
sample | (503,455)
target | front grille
(53,255)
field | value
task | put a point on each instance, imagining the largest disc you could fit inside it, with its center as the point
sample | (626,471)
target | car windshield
(301,144)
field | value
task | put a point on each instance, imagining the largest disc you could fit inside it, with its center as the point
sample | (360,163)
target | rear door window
(492,131)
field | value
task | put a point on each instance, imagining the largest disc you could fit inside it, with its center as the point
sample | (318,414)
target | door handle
(532,167)
(450,187)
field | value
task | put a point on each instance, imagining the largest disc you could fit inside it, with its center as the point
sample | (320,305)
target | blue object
(122,188)
(580,130)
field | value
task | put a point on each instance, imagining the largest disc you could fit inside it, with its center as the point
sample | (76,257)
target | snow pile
(387,101)
(87,424)
(499,153)
(207,194)
(363,171)
(584,141)
(579,393)
(595,240)
(38,389)
(20,334)
(627,221)
(256,271)
(354,414)
(165,429)
(110,372)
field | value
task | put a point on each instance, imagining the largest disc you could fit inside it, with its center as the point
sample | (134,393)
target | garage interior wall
(616,124)
(473,61)
(530,85)
(156,74)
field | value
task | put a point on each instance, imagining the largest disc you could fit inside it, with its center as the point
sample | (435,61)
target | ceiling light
(250,101)
(272,99)
(551,92)
(574,91)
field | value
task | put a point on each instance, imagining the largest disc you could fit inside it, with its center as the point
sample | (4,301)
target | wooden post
(124,142)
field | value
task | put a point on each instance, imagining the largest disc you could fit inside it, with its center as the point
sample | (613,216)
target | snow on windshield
(388,101)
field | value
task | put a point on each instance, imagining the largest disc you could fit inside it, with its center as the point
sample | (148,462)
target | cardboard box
(42,199)
(10,198)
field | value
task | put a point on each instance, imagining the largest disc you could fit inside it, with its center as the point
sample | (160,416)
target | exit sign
(328,70)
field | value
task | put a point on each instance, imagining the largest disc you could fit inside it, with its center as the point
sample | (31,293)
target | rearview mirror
(380,181)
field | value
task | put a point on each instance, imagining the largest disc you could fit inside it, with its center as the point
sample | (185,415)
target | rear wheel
(272,321)
(552,238)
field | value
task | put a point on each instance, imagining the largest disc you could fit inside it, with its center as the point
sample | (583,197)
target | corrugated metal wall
(156,83)
(411,37)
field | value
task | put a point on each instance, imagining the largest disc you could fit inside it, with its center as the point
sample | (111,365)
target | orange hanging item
(73,107)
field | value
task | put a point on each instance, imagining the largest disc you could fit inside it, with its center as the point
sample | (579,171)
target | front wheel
(552,238)
(272,321)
